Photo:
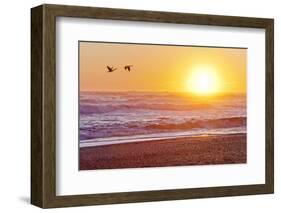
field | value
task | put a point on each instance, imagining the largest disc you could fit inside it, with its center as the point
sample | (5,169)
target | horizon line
(160,91)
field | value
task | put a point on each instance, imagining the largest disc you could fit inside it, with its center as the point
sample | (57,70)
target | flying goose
(110,69)
(128,67)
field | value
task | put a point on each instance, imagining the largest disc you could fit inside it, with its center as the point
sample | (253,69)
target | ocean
(124,117)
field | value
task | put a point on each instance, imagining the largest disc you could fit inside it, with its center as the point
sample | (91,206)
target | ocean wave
(98,103)
(133,128)
(205,124)
(104,108)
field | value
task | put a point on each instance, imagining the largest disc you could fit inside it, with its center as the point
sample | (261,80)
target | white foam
(158,136)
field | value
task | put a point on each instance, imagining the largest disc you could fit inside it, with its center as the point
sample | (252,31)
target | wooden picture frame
(43,105)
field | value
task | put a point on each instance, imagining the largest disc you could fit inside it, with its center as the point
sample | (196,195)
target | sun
(203,80)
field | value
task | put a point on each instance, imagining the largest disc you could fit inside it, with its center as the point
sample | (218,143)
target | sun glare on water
(203,81)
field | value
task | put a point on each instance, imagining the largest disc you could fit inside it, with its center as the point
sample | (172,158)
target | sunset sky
(162,68)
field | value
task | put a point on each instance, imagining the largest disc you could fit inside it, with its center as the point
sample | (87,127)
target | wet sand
(202,150)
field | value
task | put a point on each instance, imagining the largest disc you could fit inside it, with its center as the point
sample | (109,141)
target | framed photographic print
(136,106)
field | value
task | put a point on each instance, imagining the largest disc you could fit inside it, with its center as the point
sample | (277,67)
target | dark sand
(218,149)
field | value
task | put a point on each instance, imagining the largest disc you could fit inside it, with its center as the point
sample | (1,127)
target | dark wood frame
(43,105)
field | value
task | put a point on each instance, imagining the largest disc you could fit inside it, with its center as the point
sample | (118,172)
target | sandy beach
(200,150)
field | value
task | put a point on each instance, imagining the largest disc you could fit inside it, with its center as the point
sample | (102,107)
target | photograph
(148,105)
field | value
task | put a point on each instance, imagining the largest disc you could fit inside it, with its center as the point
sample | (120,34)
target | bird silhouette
(128,67)
(110,69)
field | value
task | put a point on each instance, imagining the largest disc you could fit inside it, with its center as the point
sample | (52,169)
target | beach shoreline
(183,151)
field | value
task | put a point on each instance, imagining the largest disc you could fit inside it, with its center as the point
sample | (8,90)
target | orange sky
(158,67)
